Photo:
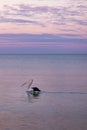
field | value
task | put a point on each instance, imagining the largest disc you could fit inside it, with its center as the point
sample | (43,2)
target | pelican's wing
(30,83)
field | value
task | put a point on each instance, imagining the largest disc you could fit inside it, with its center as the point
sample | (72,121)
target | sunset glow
(50,22)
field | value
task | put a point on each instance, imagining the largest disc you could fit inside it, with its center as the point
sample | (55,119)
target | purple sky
(43,26)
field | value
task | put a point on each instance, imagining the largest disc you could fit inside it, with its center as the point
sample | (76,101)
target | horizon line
(43,53)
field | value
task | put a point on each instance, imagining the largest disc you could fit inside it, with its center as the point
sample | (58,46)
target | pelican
(35,90)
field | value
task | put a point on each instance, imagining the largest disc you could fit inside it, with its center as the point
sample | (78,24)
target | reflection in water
(32,96)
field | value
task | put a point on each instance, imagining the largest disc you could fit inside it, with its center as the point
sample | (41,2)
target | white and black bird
(35,90)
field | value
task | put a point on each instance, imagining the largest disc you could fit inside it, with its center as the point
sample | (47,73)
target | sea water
(62,103)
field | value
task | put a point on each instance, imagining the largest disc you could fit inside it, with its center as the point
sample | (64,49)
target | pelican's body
(35,91)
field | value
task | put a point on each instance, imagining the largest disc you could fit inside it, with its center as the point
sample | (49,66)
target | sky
(43,26)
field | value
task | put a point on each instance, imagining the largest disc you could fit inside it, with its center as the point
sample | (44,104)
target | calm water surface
(62,105)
